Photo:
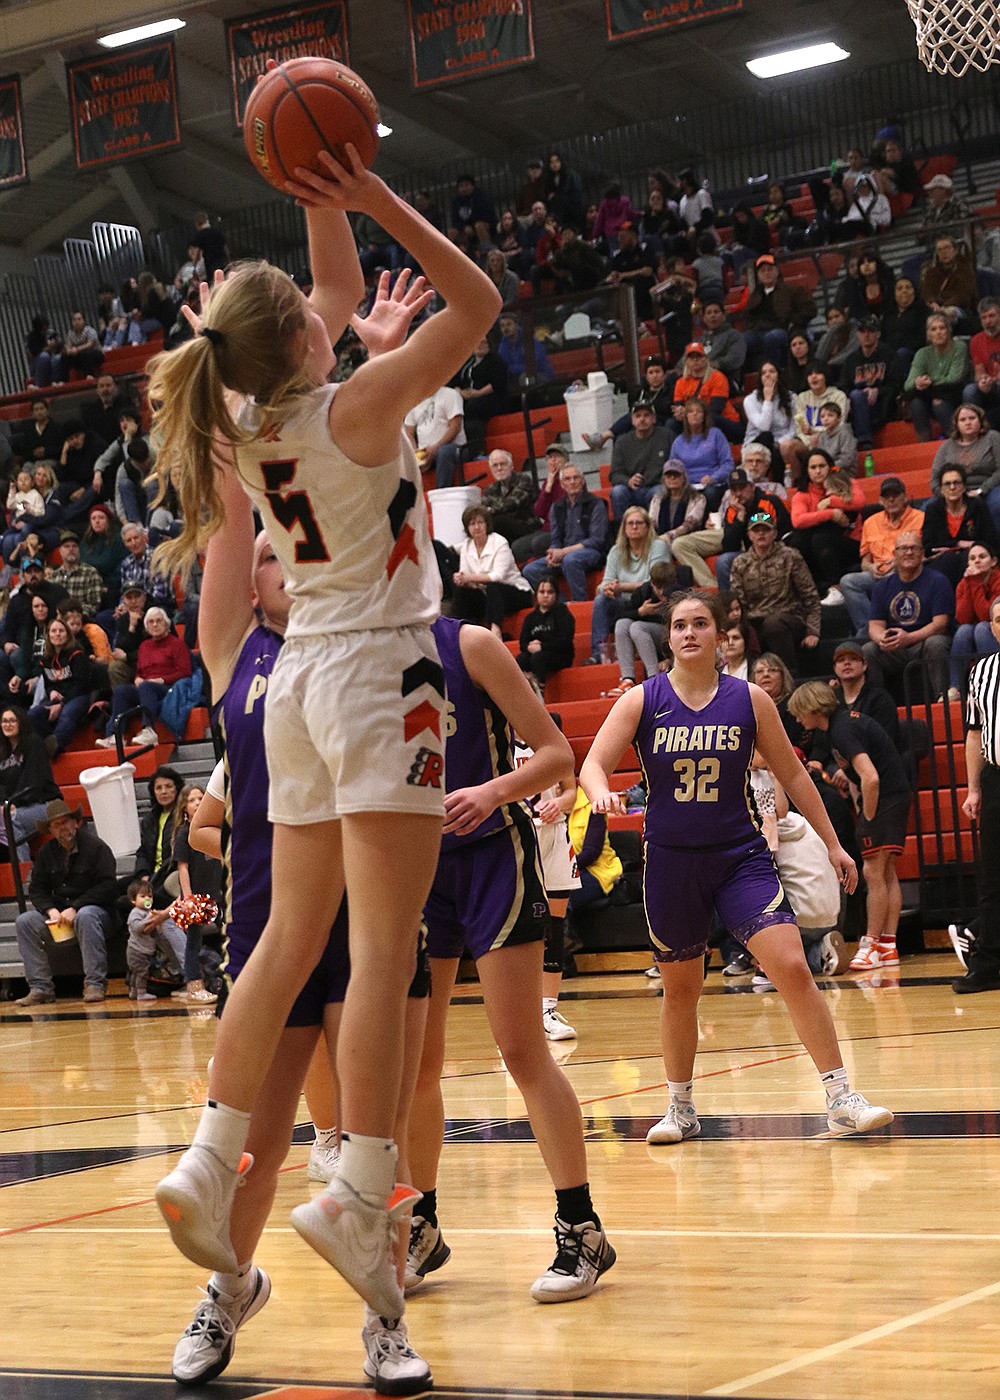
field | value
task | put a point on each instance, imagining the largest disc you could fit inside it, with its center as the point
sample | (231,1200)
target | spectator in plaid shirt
(137,569)
(82,581)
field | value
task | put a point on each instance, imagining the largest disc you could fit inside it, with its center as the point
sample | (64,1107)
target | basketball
(305,106)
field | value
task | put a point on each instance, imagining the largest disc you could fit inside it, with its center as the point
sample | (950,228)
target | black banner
(13,165)
(454,41)
(629,18)
(124,105)
(316,31)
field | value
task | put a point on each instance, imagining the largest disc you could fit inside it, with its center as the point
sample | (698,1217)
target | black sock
(428,1207)
(574,1206)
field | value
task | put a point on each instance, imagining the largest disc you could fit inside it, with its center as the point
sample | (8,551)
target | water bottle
(869,464)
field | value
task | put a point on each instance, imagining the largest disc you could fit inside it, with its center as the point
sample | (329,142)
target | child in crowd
(149,930)
(835,437)
(22,498)
(708,267)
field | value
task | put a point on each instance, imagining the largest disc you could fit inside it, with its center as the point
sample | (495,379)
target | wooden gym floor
(762,1260)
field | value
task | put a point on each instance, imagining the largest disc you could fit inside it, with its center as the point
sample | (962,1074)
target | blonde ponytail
(252,344)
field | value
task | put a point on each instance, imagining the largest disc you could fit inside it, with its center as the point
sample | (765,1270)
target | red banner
(124,105)
(465,40)
(627,19)
(313,31)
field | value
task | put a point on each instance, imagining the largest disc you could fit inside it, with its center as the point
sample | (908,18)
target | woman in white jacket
(771,409)
(486,564)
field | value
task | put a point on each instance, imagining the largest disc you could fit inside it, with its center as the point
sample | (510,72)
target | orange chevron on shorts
(421,717)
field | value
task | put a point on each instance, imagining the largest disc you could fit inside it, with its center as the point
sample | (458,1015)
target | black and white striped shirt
(983,706)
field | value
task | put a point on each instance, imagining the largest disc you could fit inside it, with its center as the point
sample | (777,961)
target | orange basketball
(305,106)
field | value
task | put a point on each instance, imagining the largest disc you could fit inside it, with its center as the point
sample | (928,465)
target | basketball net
(956,35)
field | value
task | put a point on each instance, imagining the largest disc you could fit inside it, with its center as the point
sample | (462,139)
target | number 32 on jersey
(696,780)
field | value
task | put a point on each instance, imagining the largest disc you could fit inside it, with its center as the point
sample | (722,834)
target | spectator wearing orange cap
(700,380)
(773,311)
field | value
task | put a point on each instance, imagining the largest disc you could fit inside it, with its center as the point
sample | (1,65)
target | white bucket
(590,411)
(112,801)
(447,504)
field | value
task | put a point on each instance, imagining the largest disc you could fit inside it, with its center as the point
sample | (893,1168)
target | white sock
(232,1285)
(368,1164)
(681,1093)
(391,1323)
(224,1130)
(836,1085)
(326,1137)
(549,1003)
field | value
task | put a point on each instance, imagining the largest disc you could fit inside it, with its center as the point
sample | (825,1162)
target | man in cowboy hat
(72,882)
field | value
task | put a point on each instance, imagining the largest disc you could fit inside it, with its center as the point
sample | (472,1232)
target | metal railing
(118,729)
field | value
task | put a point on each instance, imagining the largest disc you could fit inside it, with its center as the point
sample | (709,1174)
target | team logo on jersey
(421,717)
(427,769)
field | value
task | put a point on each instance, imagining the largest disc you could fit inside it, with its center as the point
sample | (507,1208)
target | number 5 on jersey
(294,510)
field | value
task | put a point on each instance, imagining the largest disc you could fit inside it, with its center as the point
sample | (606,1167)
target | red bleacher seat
(895,434)
(831,265)
(802,272)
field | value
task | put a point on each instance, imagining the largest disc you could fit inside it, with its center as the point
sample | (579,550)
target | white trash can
(590,411)
(112,802)
(447,504)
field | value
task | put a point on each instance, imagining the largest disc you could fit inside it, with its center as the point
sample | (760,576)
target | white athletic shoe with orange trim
(874,952)
(196,1201)
(358,1238)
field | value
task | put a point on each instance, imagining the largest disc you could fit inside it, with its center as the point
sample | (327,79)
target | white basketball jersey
(353,541)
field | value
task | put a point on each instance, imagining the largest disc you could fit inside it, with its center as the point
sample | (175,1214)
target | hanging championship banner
(124,105)
(13,165)
(629,18)
(451,42)
(317,31)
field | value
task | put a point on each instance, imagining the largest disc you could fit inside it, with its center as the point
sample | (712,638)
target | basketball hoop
(956,35)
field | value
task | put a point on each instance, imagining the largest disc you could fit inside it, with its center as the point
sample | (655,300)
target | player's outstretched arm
(494,670)
(607,751)
(438,349)
(781,758)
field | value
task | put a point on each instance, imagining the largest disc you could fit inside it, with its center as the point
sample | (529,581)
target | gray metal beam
(80,211)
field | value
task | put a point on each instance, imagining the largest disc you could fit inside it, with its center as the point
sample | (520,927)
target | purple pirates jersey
(479,742)
(246,831)
(697,766)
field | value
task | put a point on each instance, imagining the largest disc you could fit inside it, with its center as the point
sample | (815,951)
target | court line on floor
(709,1074)
(619,1232)
(860,1339)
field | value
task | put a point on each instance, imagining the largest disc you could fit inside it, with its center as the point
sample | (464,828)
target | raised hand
(393,312)
(344,187)
(195,319)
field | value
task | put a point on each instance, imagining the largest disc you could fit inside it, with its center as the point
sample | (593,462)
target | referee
(982,804)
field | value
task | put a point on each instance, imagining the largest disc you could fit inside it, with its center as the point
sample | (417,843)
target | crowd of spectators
(789,529)
(91,631)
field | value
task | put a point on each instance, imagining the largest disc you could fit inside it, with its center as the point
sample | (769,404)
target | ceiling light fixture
(795,60)
(143,31)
